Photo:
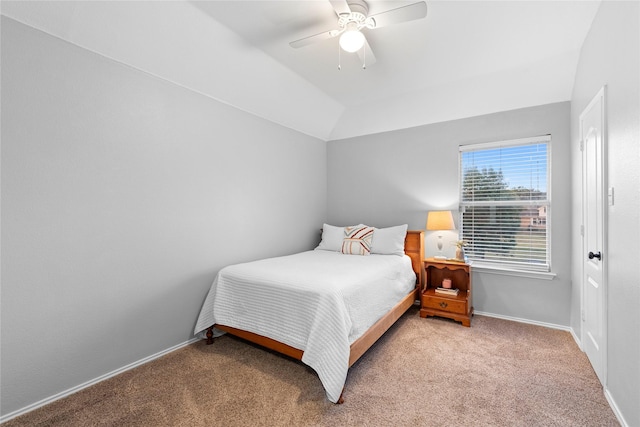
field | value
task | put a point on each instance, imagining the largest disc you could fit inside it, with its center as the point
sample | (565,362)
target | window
(505,204)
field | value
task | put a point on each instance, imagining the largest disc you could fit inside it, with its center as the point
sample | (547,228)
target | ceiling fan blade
(366,55)
(314,39)
(340,6)
(401,14)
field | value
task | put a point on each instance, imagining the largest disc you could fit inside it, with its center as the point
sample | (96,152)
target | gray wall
(396,177)
(611,56)
(122,195)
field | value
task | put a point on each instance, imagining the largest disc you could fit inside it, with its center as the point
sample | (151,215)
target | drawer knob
(443,304)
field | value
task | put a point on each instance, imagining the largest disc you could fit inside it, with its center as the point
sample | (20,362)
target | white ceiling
(465,58)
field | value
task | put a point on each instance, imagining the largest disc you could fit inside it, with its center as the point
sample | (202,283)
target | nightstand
(457,307)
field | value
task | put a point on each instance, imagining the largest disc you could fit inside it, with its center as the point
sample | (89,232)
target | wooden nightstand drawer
(451,305)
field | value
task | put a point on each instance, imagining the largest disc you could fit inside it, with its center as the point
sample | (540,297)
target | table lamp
(439,221)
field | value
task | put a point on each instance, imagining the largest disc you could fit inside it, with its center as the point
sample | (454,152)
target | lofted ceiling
(464,59)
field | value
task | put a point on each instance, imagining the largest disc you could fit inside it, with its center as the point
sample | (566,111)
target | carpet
(422,372)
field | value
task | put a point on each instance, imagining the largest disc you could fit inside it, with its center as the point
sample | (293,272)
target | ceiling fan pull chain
(364,57)
(339,67)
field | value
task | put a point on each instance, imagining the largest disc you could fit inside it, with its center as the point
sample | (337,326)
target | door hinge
(581,144)
(582,230)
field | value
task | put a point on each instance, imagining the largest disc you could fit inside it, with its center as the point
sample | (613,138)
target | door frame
(601,95)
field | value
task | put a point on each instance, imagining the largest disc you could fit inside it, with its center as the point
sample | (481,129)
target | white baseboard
(89,383)
(576,339)
(531,322)
(534,322)
(615,409)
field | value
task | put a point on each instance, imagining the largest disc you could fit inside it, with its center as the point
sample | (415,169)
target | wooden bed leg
(210,335)
(341,398)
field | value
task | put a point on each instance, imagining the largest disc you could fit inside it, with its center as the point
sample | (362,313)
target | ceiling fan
(353,16)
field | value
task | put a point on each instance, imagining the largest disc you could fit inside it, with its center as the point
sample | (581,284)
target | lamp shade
(440,220)
(352,39)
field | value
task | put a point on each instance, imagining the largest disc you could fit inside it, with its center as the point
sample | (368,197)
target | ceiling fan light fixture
(352,39)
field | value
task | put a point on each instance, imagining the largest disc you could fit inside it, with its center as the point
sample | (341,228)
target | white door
(594,256)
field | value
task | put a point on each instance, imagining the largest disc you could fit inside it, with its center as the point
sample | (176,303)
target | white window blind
(505,204)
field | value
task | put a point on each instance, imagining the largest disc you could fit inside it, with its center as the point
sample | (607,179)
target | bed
(322,307)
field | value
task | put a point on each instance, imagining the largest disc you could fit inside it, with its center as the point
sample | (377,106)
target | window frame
(530,269)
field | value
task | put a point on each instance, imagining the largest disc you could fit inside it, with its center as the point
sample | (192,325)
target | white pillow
(389,241)
(332,238)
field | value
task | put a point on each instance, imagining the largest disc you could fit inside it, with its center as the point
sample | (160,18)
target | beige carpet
(423,372)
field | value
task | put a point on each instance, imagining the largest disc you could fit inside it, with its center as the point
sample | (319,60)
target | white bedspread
(315,301)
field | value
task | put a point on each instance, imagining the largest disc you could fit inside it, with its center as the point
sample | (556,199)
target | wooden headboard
(414,247)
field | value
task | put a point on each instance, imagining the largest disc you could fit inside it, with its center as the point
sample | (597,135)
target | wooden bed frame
(414,248)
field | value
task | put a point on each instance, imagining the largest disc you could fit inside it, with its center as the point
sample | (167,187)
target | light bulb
(351,40)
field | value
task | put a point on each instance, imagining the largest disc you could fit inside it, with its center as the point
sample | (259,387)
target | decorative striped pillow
(357,240)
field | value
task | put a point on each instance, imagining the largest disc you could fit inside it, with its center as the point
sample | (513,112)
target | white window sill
(479,267)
